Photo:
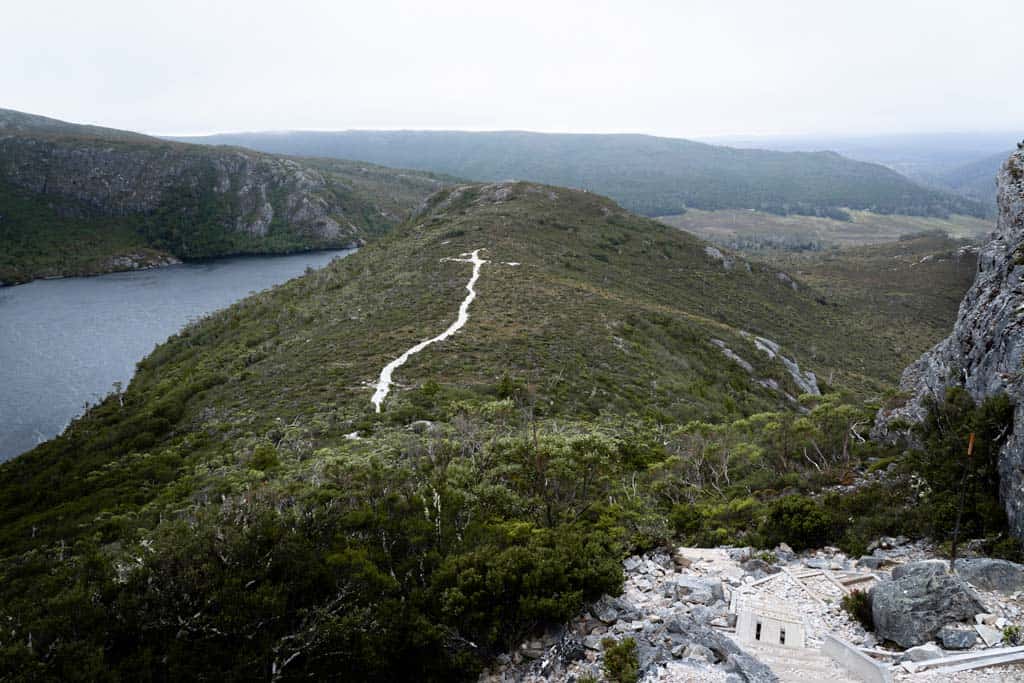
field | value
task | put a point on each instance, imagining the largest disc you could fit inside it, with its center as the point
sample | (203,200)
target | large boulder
(693,589)
(928,567)
(953,638)
(913,608)
(610,610)
(992,575)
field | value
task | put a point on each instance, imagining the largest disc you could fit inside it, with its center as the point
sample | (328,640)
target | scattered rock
(681,560)
(870,562)
(755,565)
(784,553)
(817,563)
(991,636)
(716,254)
(953,638)
(421,426)
(698,652)
(724,649)
(694,590)
(610,610)
(922,653)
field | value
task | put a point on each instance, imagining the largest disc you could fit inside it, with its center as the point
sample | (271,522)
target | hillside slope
(964,163)
(976,180)
(648,175)
(82,199)
(243,510)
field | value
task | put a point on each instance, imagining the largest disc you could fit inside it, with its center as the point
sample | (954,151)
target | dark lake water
(63,343)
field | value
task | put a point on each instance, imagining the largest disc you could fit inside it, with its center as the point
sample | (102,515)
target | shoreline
(171,260)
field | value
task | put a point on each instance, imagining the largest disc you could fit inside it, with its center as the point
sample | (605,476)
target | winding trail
(384,382)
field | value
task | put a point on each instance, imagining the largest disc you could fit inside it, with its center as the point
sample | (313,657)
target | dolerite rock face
(119,178)
(912,609)
(984,353)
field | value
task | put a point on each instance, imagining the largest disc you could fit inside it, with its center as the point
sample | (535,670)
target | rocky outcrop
(911,609)
(984,353)
(141,201)
(249,190)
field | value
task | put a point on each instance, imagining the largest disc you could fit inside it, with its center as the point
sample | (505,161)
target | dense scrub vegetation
(240,511)
(649,175)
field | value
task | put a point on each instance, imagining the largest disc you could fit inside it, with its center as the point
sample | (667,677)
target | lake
(64,343)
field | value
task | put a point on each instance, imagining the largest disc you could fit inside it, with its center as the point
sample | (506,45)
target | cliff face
(984,352)
(119,178)
(75,199)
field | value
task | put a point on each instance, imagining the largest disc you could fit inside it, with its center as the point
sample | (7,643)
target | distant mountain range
(83,199)
(648,175)
(964,163)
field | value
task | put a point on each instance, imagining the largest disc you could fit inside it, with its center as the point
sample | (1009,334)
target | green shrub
(265,458)
(621,662)
(858,605)
(1012,635)
(944,466)
(798,521)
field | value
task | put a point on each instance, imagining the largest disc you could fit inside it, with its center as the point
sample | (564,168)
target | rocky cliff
(119,179)
(984,352)
(185,200)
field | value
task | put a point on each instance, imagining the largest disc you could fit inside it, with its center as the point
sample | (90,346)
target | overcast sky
(680,68)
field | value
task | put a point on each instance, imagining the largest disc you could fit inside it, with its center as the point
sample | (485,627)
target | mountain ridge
(647,174)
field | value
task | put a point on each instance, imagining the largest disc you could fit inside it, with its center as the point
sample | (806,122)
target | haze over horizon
(699,70)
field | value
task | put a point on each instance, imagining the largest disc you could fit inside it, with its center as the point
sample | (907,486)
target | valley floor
(749,229)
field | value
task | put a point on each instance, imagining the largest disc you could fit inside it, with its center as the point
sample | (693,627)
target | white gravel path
(384,382)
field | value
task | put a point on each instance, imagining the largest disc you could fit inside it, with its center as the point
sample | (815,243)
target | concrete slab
(858,664)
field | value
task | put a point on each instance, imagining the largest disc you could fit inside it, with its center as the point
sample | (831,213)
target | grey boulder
(992,575)
(694,590)
(911,609)
(928,567)
(736,661)
(953,638)
(609,610)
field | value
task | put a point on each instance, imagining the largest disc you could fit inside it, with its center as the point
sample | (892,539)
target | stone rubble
(680,607)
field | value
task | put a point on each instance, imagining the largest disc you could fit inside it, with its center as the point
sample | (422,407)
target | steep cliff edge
(65,186)
(984,352)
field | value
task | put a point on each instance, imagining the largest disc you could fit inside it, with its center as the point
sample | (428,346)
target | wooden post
(963,495)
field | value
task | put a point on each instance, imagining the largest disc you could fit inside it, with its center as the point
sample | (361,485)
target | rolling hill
(963,163)
(976,179)
(78,200)
(647,175)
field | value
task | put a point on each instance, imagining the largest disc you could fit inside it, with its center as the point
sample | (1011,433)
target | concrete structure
(769,622)
(855,662)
